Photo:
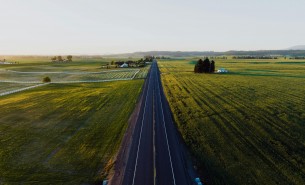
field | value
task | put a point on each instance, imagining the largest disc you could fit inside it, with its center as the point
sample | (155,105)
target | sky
(52,27)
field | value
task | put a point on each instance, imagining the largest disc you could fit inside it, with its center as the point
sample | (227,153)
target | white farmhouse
(124,65)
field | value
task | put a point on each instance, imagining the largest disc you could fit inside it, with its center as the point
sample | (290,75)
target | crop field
(243,127)
(142,73)
(64,133)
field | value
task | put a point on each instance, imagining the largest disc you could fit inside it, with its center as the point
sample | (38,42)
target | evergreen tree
(204,66)
(196,69)
(212,69)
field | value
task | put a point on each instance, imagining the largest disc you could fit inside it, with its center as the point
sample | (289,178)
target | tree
(59,58)
(148,58)
(46,79)
(53,59)
(212,69)
(199,66)
(196,69)
(69,57)
(204,66)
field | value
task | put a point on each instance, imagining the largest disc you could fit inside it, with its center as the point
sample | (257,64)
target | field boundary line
(22,89)
(135,74)
(92,81)
(20,82)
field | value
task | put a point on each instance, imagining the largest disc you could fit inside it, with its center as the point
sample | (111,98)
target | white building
(124,65)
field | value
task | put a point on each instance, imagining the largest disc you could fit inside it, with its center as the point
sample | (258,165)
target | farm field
(143,72)
(42,63)
(35,69)
(67,76)
(64,133)
(244,127)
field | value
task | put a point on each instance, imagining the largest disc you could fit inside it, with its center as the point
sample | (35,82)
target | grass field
(63,133)
(32,63)
(244,127)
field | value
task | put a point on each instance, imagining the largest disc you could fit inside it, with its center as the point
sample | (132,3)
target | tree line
(254,57)
(205,66)
(60,59)
(131,63)
(297,58)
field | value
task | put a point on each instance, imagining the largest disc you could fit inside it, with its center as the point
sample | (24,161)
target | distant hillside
(299,47)
(212,53)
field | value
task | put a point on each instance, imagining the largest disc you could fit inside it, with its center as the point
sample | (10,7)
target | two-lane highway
(155,155)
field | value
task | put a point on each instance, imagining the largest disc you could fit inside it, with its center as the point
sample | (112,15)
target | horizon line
(135,52)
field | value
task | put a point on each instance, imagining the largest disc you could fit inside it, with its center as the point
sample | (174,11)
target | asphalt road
(156,155)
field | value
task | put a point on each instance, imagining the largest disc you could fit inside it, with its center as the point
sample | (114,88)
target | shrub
(46,80)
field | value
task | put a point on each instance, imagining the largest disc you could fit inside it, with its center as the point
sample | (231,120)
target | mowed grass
(244,127)
(64,134)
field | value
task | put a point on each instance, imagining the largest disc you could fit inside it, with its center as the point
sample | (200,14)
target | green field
(244,127)
(31,63)
(63,133)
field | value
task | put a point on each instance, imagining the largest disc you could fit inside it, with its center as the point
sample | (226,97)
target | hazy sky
(116,26)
